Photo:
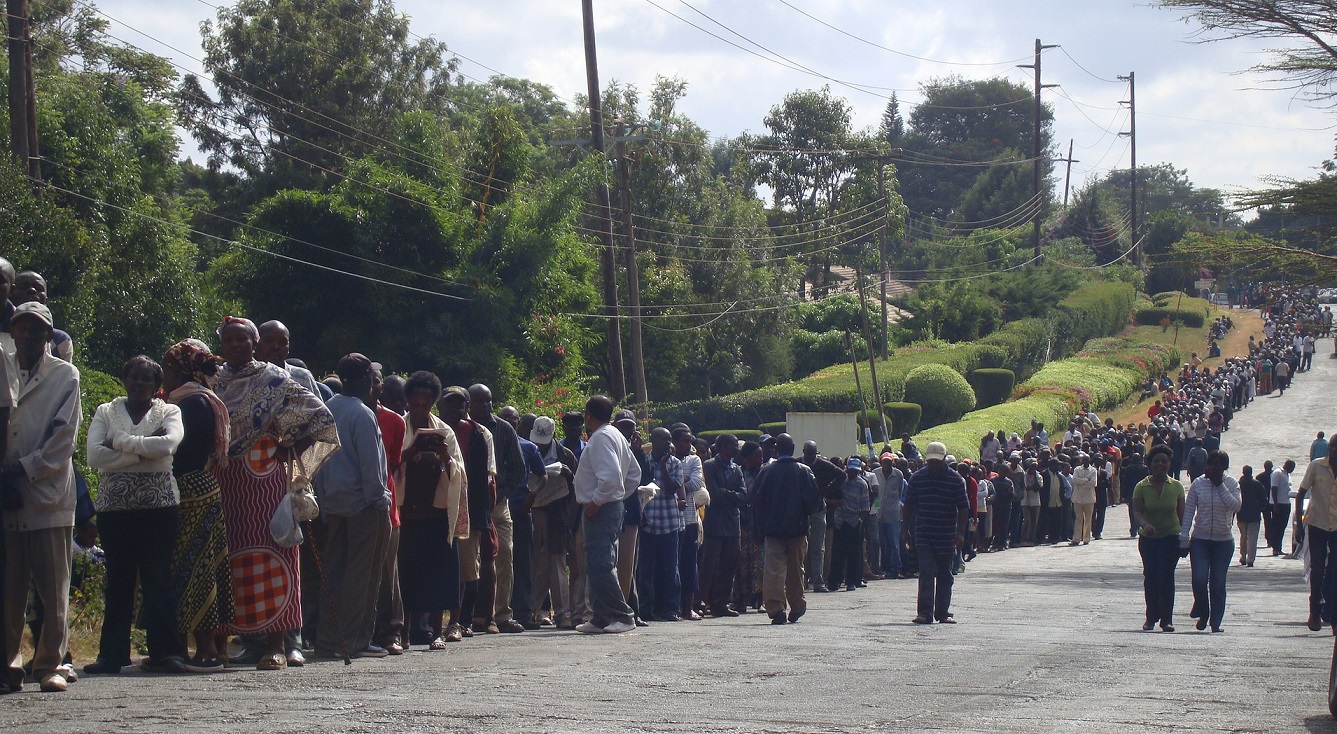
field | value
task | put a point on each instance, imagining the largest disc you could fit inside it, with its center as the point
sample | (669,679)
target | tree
(1309,65)
(892,127)
(304,84)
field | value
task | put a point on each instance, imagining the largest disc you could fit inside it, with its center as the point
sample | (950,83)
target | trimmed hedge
(742,434)
(941,391)
(774,429)
(1103,375)
(992,386)
(904,417)
(873,420)
(1094,310)
(1155,316)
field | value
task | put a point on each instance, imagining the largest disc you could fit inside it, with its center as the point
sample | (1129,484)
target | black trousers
(719,565)
(139,546)
(1275,528)
(846,556)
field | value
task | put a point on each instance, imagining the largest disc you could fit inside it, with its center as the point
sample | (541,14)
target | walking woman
(433,511)
(1158,509)
(130,443)
(1209,514)
(200,571)
(273,422)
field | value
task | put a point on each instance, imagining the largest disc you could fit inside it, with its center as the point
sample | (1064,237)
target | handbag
(300,493)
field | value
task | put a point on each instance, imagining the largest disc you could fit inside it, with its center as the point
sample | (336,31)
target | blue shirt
(533,465)
(937,502)
(354,478)
(1318,449)
(854,496)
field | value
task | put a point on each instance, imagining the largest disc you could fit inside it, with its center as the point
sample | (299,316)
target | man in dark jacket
(783,498)
(719,554)
(1133,472)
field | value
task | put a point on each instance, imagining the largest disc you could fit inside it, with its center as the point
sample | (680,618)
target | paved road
(1049,641)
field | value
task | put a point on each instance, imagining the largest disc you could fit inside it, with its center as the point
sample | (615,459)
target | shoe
(100,667)
(394,648)
(1167,628)
(949,619)
(795,616)
(564,623)
(1202,623)
(1312,623)
(1216,629)
(1095,537)
(55,683)
(205,665)
(510,626)
(614,628)
(876,576)
(371,651)
(778,618)
(862,584)
(1243,562)
(723,612)
(851,587)
(820,589)
(589,628)
(922,620)
(454,633)
(1086,542)
(66,671)
(670,618)
(1148,626)
(641,622)
(692,616)
(545,621)
(276,661)
(1250,564)
(438,644)
(531,626)
(466,630)
(490,628)
(168,664)
(296,659)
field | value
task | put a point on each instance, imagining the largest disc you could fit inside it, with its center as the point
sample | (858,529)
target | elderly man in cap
(936,512)
(355,506)
(784,495)
(551,507)
(37,487)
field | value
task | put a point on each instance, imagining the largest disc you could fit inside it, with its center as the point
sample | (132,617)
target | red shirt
(392,435)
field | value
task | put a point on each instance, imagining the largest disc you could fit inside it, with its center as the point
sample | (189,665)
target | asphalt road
(1049,640)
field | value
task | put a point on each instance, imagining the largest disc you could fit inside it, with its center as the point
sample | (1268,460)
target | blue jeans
(658,582)
(601,533)
(1210,559)
(935,582)
(894,553)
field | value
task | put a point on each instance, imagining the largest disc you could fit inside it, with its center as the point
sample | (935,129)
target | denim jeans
(658,580)
(894,553)
(1159,558)
(935,582)
(601,532)
(1210,559)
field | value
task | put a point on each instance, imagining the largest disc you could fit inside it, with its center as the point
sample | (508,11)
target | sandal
(437,644)
(273,661)
(204,665)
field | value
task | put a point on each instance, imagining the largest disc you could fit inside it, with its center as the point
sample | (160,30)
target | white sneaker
(588,628)
(67,672)
(616,627)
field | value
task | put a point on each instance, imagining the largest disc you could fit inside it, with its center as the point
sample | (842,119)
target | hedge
(1104,374)
(1094,310)
(873,420)
(742,434)
(1156,316)
(904,417)
(941,391)
(774,429)
(95,388)
(992,386)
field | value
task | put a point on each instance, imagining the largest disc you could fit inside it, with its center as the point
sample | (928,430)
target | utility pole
(1067,178)
(633,273)
(1036,151)
(872,359)
(882,247)
(22,130)
(617,379)
(1132,178)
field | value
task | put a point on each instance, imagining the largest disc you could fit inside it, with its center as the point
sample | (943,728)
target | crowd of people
(241,499)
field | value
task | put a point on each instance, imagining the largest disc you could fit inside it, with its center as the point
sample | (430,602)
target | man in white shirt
(1279,501)
(607,475)
(38,481)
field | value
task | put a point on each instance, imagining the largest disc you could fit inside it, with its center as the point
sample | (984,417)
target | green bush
(1155,316)
(873,420)
(775,429)
(811,351)
(904,418)
(742,434)
(95,388)
(941,391)
(1094,310)
(992,386)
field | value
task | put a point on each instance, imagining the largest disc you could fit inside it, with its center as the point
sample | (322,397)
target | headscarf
(192,358)
(245,323)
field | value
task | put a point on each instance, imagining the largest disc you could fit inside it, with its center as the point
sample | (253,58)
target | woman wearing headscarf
(433,510)
(276,427)
(130,442)
(200,570)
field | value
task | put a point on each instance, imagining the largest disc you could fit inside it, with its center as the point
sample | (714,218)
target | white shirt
(608,471)
(1281,487)
(692,480)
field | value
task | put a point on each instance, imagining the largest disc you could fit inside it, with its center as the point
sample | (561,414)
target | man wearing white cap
(551,507)
(936,510)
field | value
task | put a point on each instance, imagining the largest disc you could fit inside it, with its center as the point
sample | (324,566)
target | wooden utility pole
(1067,177)
(882,246)
(633,272)
(22,131)
(872,354)
(1132,178)
(858,385)
(617,380)
(1037,152)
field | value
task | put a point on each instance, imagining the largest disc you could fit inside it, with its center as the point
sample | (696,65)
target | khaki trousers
(504,563)
(782,575)
(38,559)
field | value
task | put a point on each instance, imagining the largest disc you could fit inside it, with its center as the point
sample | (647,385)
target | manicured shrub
(992,386)
(941,391)
(774,429)
(904,418)
(1156,316)
(872,419)
(743,434)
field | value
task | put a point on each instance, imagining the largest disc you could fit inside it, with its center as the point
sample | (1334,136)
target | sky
(1198,107)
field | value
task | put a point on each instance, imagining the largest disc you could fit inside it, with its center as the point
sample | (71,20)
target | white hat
(543,431)
(936,450)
